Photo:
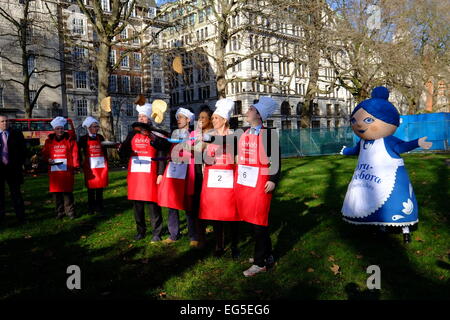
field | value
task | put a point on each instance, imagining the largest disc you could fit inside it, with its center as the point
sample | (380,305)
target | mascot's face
(367,127)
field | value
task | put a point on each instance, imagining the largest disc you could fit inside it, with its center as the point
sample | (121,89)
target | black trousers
(219,230)
(263,244)
(95,200)
(64,202)
(155,218)
(16,195)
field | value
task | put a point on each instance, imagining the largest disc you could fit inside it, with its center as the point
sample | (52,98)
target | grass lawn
(318,255)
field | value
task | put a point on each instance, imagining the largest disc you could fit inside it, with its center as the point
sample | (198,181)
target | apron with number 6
(61,178)
(217,198)
(142,175)
(172,189)
(95,165)
(253,204)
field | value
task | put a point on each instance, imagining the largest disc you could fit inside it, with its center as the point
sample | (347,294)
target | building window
(137,84)
(285,124)
(80,80)
(112,57)
(113,83)
(125,84)
(136,60)
(136,39)
(129,109)
(105,5)
(124,34)
(285,108)
(79,53)
(82,108)
(32,96)
(157,85)
(151,12)
(156,60)
(31,64)
(125,63)
(78,26)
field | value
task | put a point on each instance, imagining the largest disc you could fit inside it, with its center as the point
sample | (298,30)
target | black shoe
(270,261)
(139,236)
(406,238)
(235,253)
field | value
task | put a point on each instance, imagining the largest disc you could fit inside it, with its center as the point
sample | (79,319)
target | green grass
(308,237)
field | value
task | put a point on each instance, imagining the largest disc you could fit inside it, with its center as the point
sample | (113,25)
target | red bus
(36,131)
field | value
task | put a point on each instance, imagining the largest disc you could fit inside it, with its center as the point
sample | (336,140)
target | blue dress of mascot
(380,192)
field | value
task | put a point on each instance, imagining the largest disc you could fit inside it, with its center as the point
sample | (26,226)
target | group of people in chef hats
(217,176)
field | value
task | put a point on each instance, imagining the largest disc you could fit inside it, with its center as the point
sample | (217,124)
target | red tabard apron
(142,173)
(172,191)
(251,175)
(95,165)
(61,177)
(217,198)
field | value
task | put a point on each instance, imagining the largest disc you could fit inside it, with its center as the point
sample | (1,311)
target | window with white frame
(151,12)
(133,9)
(81,80)
(78,25)
(112,57)
(81,107)
(125,63)
(106,5)
(124,34)
(125,84)
(136,60)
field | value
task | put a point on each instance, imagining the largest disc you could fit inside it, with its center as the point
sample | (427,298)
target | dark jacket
(17,153)
(82,146)
(156,142)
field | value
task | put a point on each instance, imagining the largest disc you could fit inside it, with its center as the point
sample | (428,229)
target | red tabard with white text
(142,173)
(95,165)
(253,204)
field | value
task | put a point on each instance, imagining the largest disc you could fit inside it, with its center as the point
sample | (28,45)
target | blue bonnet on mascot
(380,192)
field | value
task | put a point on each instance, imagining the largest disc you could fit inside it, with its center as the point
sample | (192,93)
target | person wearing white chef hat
(94,159)
(257,173)
(61,152)
(177,188)
(217,202)
(145,152)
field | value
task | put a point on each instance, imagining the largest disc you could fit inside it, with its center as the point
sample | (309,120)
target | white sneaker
(253,270)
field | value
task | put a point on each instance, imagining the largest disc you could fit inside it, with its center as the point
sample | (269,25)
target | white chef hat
(266,106)
(89,121)
(224,108)
(58,122)
(145,109)
(185,112)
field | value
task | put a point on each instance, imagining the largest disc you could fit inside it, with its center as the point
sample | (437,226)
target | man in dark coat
(12,158)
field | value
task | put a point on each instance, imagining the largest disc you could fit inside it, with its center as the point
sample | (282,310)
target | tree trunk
(102,64)
(221,69)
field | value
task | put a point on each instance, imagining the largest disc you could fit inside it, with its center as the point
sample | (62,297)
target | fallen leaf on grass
(335,268)
(358,256)
(310,270)
(162,294)
(331,259)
